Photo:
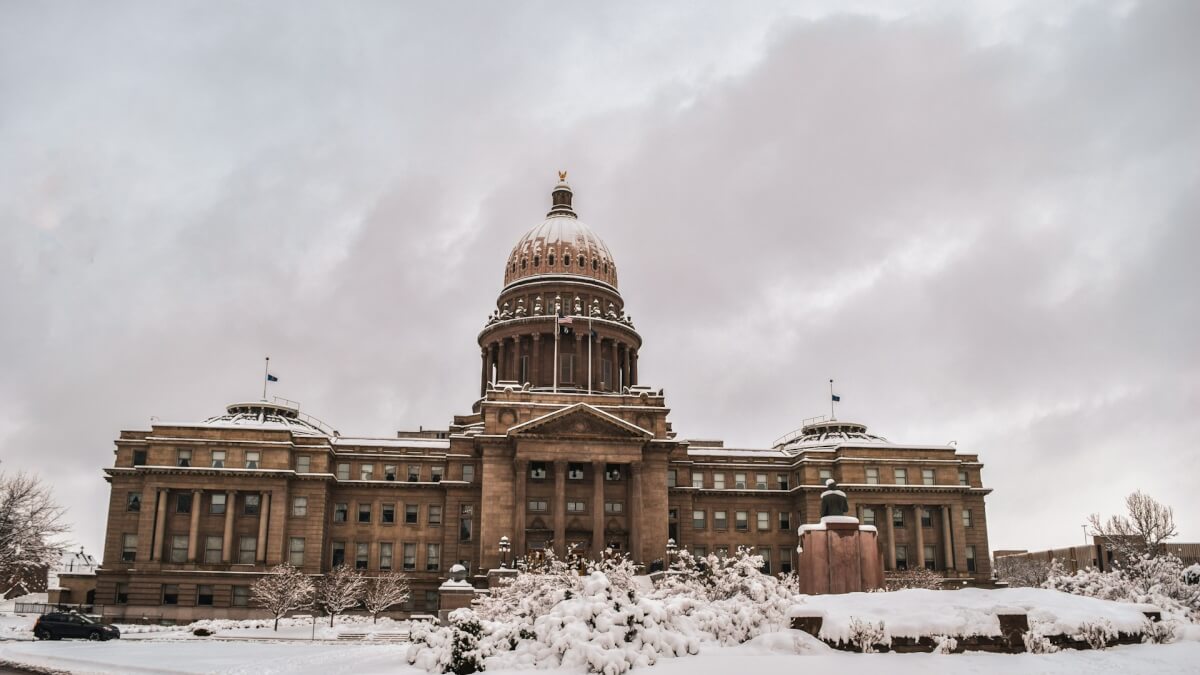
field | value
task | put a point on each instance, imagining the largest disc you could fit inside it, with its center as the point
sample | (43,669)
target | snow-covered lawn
(785,652)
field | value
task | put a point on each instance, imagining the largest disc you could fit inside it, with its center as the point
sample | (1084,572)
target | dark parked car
(57,625)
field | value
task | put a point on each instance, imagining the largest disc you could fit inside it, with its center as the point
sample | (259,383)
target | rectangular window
(339,554)
(433,557)
(718,481)
(431,601)
(720,520)
(183,502)
(672,477)
(781,481)
(218,459)
(139,457)
(766,558)
(410,556)
(927,476)
(698,518)
(435,514)
(343,471)
(246,550)
(466,522)
(575,507)
(963,480)
(129,547)
(897,518)
(341,511)
(204,595)
(216,504)
(785,560)
(930,557)
(170,594)
(970,557)
(612,472)
(697,480)
(468,473)
(133,501)
(411,512)
(361,553)
(389,472)
(739,481)
(436,473)
(901,476)
(385,555)
(901,556)
(966,517)
(760,481)
(764,520)
(699,551)
(414,473)
(303,463)
(212,549)
(387,514)
(614,507)
(241,596)
(366,472)
(785,521)
(179,545)
(250,504)
(299,507)
(824,475)
(183,458)
(537,470)
(741,520)
(364,513)
(295,551)
(574,471)
(872,476)
(122,594)
(566,368)
(868,515)
(536,505)
(926,516)
(252,459)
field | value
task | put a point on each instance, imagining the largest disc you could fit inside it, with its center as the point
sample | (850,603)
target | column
(483,376)
(614,369)
(920,552)
(633,374)
(160,525)
(264,509)
(631,516)
(580,358)
(891,537)
(947,540)
(501,361)
(560,508)
(227,542)
(597,510)
(521,470)
(625,381)
(194,530)
(535,370)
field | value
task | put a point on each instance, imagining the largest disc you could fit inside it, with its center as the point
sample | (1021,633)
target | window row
(251,502)
(385,555)
(414,473)
(216,459)
(900,476)
(177,551)
(930,552)
(870,516)
(240,596)
(542,504)
(575,471)
(741,481)
(741,520)
(365,512)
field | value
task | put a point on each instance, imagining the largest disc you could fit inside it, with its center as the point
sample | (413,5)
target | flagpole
(554,366)
(266,372)
(832,414)
(590,338)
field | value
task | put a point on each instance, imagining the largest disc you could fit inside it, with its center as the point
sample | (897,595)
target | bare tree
(30,524)
(386,591)
(1140,533)
(340,589)
(1022,571)
(284,589)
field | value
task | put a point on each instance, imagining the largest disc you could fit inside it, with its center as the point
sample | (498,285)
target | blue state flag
(836,398)
(272,378)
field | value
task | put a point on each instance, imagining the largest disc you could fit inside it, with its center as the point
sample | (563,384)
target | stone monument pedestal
(454,593)
(838,555)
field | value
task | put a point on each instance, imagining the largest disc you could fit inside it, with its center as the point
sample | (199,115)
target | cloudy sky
(984,225)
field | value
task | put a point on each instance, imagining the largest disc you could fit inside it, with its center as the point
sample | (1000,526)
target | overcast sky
(984,225)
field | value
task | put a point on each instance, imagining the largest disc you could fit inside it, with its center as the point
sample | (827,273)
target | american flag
(564,320)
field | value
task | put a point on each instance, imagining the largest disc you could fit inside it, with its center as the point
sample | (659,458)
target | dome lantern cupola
(561,198)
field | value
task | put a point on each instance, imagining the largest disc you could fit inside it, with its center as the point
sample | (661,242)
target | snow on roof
(736,452)
(392,442)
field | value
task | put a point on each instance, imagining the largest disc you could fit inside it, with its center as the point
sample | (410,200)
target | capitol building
(563,447)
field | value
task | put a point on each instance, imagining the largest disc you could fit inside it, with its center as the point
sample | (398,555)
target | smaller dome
(561,244)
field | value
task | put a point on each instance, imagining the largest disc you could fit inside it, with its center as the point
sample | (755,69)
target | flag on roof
(836,398)
(564,319)
(272,378)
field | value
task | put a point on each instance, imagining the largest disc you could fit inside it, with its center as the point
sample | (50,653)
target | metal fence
(44,607)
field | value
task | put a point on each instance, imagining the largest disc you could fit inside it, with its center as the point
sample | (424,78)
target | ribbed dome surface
(561,244)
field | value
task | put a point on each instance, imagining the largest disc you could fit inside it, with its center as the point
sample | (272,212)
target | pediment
(580,421)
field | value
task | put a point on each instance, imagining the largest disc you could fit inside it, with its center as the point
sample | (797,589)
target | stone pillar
(160,525)
(614,369)
(633,511)
(633,374)
(625,381)
(535,370)
(194,530)
(920,552)
(521,469)
(483,377)
(264,508)
(580,359)
(501,361)
(227,542)
(947,540)
(597,510)
(891,537)
(560,509)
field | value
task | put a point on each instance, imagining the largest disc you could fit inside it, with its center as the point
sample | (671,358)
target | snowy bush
(1036,643)
(865,635)
(918,578)
(1096,633)
(1160,632)
(944,644)
(1160,581)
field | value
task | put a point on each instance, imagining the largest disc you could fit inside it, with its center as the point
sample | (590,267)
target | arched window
(567,260)
(606,268)
(523,261)
(537,260)
(552,260)
(595,264)
(580,262)
(514,266)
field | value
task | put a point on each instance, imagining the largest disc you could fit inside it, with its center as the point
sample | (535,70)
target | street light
(505,547)
(671,549)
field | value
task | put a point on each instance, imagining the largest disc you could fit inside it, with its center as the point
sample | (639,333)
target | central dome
(561,244)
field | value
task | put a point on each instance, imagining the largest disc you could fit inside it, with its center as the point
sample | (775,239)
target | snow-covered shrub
(918,578)
(944,644)
(1159,581)
(1191,575)
(865,635)
(1160,632)
(1036,643)
(1096,633)
(454,648)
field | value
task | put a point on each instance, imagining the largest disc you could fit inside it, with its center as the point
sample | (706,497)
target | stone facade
(556,453)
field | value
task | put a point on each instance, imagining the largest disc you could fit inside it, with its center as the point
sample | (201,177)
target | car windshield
(83,619)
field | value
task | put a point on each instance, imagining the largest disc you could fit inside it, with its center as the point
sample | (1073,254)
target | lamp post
(505,547)
(671,549)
